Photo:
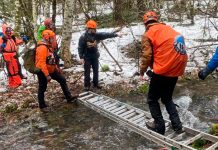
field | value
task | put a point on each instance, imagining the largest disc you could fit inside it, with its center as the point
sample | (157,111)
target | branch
(111,56)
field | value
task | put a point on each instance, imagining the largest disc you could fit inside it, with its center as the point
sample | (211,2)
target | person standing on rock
(211,66)
(163,49)
(45,61)
(89,54)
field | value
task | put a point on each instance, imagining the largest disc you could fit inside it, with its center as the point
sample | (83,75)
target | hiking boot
(178,129)
(87,88)
(97,86)
(72,99)
(152,126)
(43,106)
(46,109)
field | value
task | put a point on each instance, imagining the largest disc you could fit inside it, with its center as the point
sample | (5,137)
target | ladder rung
(84,93)
(94,99)
(142,123)
(193,139)
(86,97)
(121,111)
(118,109)
(126,113)
(103,102)
(110,107)
(138,120)
(129,115)
(179,136)
(136,117)
(100,100)
(107,104)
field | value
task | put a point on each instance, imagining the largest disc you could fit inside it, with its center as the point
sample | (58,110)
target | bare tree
(17,17)
(67,33)
(118,11)
(34,14)
(47,9)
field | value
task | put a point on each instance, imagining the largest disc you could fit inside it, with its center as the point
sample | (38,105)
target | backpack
(29,60)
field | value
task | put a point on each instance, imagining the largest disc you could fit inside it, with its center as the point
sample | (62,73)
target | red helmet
(150,15)
(91,24)
(48,34)
(48,22)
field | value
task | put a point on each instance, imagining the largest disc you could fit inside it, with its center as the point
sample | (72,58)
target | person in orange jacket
(9,49)
(45,61)
(163,49)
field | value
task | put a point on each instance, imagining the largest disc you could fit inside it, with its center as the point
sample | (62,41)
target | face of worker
(8,31)
(91,31)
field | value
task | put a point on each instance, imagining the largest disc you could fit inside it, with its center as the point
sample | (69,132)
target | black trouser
(87,66)
(163,87)
(43,86)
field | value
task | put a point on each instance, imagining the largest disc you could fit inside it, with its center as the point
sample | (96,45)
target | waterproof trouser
(12,65)
(42,81)
(162,87)
(94,63)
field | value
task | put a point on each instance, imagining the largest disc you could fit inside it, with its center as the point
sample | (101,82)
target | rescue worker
(211,66)
(89,54)
(9,49)
(49,25)
(163,49)
(46,62)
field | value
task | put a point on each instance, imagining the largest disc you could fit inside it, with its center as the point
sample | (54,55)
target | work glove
(48,78)
(149,73)
(202,74)
(3,45)
(25,38)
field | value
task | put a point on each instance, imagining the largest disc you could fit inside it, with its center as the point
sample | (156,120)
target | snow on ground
(129,66)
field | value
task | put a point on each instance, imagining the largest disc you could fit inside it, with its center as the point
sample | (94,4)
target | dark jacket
(88,44)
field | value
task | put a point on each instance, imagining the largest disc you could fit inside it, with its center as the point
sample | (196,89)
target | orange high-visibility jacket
(163,51)
(42,54)
(11,45)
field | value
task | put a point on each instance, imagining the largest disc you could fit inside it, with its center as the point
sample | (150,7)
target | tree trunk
(118,12)
(34,13)
(191,13)
(17,18)
(67,33)
(54,12)
(63,7)
(27,19)
(89,5)
(47,9)
(141,8)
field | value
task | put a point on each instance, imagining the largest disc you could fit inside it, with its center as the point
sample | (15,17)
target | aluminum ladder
(135,120)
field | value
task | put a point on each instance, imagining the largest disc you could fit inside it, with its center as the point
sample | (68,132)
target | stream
(71,126)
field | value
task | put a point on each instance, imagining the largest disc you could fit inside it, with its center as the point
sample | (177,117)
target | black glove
(149,73)
(202,74)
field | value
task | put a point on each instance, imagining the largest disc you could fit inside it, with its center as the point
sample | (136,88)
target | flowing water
(77,127)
